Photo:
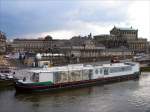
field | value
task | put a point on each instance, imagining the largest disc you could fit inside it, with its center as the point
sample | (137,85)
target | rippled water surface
(129,96)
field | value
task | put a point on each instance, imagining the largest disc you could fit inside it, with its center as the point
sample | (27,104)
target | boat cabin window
(131,64)
(96,71)
(106,71)
(35,77)
(100,70)
(90,74)
(57,76)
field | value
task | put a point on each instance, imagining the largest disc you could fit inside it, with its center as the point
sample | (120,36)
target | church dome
(48,37)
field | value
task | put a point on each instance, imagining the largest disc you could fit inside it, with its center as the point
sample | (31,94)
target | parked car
(9,76)
(2,76)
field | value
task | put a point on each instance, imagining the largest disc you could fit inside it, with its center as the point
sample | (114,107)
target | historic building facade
(120,42)
(110,41)
(32,45)
(2,43)
(139,45)
(46,44)
(125,33)
(127,37)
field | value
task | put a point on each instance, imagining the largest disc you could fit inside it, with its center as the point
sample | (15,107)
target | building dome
(48,37)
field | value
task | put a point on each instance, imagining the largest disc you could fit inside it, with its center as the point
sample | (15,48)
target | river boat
(76,75)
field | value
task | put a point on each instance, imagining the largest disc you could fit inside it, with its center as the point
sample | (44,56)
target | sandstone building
(31,45)
(127,37)
(124,38)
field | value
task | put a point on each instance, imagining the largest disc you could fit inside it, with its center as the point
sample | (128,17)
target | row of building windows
(138,46)
(91,53)
(129,32)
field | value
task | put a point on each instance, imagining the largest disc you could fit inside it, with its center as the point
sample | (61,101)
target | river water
(129,96)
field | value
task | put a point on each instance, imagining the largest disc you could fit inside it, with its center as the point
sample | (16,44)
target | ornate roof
(123,28)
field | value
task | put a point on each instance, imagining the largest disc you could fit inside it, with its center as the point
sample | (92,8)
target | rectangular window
(35,77)
(57,76)
(90,74)
(100,70)
(105,71)
(96,71)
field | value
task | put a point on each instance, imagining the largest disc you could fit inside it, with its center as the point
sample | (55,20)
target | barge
(76,75)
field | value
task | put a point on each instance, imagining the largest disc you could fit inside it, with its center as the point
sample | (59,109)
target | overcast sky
(66,18)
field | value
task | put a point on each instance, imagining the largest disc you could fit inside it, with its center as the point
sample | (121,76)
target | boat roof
(74,67)
(62,68)
(115,65)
